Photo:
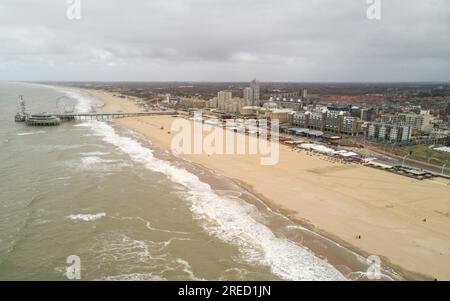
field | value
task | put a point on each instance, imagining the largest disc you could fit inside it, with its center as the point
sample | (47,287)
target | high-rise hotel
(252,93)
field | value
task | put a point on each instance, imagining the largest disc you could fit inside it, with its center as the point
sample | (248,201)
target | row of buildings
(384,128)
(324,120)
(388,132)
(226,103)
(419,122)
(295,110)
(400,127)
(300,95)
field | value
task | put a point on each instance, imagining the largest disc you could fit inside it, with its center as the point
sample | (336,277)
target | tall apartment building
(351,126)
(317,120)
(248,93)
(299,119)
(304,94)
(326,121)
(252,93)
(367,114)
(226,104)
(390,132)
(420,122)
(223,97)
(306,119)
(390,118)
(254,85)
(333,121)
(213,103)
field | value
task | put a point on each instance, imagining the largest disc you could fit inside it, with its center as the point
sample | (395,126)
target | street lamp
(404,158)
(443,166)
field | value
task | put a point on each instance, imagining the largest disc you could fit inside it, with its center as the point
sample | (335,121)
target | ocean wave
(31,133)
(85,103)
(96,163)
(90,160)
(186,268)
(149,226)
(133,277)
(234,273)
(95,154)
(138,259)
(86,217)
(229,219)
(83,125)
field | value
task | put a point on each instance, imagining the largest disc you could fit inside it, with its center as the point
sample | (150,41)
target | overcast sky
(225,40)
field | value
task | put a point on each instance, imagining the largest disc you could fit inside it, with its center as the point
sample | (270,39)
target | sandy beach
(340,201)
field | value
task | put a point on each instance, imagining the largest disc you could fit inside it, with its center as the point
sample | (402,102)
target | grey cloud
(295,40)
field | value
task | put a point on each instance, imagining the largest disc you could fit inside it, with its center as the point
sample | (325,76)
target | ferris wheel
(65,104)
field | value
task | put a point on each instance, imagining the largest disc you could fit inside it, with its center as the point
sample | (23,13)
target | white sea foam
(31,133)
(90,160)
(133,277)
(186,267)
(148,224)
(229,219)
(148,257)
(95,154)
(86,217)
(98,164)
(234,273)
(85,103)
(83,125)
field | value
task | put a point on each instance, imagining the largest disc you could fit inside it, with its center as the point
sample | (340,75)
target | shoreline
(112,103)
(289,214)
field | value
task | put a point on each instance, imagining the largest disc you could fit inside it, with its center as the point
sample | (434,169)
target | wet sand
(339,201)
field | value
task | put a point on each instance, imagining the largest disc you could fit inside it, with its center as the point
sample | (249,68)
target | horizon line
(219,82)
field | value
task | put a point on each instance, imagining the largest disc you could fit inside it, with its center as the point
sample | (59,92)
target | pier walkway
(107,116)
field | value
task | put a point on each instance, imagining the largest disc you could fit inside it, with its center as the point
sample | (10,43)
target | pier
(48,118)
(45,119)
(108,116)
